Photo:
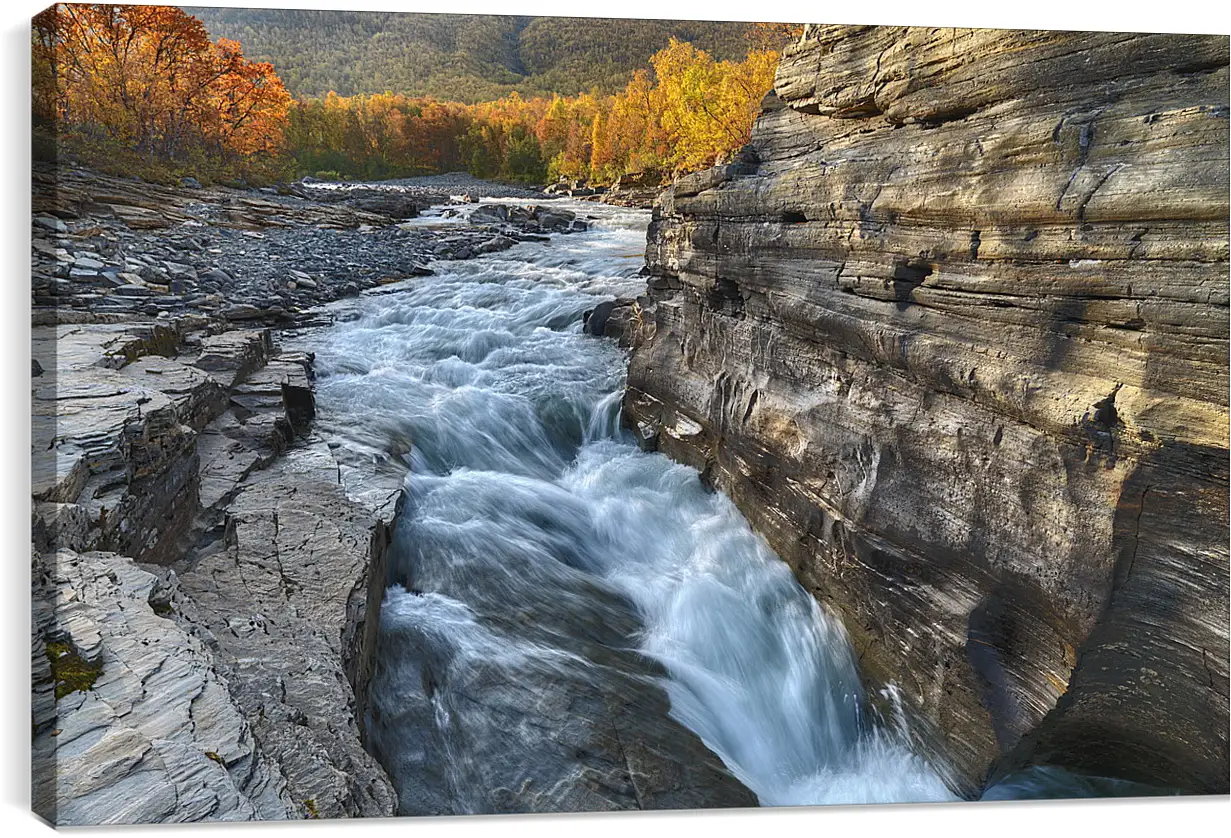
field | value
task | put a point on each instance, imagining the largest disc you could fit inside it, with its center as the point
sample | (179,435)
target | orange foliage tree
(686,113)
(148,78)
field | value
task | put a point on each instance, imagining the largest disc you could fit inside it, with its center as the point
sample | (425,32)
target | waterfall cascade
(541,553)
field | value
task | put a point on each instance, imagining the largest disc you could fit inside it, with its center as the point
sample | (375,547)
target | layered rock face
(952,332)
(205,587)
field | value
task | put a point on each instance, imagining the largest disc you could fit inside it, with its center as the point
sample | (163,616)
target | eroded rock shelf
(197,559)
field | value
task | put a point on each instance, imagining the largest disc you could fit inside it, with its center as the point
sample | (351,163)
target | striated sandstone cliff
(952,332)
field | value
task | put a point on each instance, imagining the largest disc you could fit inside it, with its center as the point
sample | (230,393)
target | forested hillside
(464,58)
(602,99)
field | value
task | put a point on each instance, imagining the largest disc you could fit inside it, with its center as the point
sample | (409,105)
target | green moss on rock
(70,671)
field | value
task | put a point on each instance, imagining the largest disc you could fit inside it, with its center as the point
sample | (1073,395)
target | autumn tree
(773,36)
(687,114)
(708,107)
(148,78)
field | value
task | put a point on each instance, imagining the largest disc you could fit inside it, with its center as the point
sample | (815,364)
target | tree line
(686,112)
(143,90)
(461,58)
(143,86)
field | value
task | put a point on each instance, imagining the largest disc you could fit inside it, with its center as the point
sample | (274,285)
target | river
(540,551)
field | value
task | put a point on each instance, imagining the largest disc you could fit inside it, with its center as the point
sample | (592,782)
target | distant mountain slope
(467,58)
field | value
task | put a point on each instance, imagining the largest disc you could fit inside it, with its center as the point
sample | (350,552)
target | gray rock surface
(222,634)
(157,737)
(104,245)
(952,333)
(272,598)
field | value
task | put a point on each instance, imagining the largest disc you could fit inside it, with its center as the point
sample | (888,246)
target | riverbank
(106,246)
(206,566)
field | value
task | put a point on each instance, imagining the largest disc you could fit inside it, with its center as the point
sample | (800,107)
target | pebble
(275,272)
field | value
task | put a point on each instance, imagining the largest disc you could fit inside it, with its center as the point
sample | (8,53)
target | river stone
(953,331)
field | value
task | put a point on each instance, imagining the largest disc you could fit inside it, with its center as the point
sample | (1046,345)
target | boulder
(553,220)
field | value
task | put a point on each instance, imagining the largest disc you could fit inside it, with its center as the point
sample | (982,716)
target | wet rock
(596,318)
(496,244)
(635,189)
(554,220)
(491,214)
(536,218)
(624,320)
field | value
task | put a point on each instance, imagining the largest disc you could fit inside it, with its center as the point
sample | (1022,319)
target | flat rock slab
(157,737)
(273,600)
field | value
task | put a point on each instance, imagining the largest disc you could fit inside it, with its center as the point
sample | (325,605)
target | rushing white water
(531,518)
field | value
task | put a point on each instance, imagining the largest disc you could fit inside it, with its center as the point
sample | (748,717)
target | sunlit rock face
(952,333)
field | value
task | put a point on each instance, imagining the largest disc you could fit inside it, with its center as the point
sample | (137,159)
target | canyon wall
(952,332)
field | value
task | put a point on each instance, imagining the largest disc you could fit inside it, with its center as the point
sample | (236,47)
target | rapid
(539,551)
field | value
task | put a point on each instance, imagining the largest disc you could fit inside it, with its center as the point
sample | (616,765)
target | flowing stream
(537,538)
